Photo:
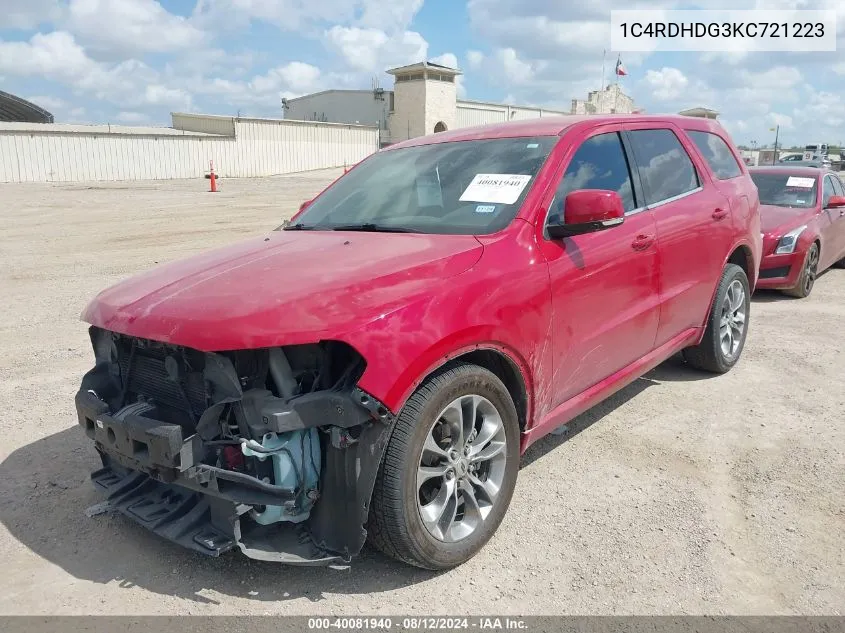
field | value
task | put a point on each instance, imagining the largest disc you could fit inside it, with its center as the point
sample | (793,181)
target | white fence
(239,148)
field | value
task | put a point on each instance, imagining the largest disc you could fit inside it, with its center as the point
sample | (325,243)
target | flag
(620,69)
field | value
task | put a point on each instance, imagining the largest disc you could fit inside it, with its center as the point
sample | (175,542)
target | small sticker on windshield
(495,188)
(532,145)
(485,208)
(804,183)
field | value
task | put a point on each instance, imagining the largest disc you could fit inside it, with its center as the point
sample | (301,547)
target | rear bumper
(780,271)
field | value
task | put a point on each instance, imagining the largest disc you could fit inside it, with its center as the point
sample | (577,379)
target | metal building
(424,101)
(239,147)
(14,108)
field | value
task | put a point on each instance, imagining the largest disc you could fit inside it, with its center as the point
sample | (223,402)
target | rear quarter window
(838,187)
(664,166)
(717,154)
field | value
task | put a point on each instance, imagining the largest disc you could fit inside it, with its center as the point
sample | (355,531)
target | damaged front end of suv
(272,451)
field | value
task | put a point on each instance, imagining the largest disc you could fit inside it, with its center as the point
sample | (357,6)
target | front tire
(449,470)
(809,272)
(727,326)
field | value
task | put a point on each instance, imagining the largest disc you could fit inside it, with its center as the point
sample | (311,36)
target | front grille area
(149,378)
(774,273)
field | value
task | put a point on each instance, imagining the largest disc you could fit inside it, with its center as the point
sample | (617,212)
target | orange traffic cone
(212,177)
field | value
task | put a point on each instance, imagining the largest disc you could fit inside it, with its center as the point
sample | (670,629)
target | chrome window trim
(680,196)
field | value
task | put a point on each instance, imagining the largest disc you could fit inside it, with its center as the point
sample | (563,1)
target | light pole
(776,130)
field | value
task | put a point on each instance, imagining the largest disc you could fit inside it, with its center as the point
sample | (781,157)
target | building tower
(424,100)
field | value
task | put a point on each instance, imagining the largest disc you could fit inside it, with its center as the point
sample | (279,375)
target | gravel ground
(683,494)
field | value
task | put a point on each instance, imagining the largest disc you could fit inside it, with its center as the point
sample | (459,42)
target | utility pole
(775,152)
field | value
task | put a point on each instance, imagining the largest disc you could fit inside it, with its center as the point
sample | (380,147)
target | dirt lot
(682,494)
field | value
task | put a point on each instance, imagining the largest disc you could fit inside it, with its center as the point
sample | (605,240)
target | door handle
(642,242)
(720,214)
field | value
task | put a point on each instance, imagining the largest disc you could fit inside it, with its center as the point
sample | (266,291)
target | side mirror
(304,205)
(588,211)
(836,202)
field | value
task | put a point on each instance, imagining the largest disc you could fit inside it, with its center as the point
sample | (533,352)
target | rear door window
(717,154)
(665,167)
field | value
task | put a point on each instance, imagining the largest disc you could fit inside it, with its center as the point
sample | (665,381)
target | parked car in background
(803,220)
(375,368)
(818,163)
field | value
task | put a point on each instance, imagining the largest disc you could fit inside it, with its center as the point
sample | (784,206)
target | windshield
(461,187)
(783,190)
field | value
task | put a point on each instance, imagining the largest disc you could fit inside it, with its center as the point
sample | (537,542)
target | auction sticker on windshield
(804,183)
(495,188)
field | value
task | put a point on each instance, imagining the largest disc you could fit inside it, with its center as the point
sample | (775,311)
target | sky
(135,61)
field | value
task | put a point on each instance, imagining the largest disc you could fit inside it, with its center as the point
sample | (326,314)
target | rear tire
(809,271)
(435,466)
(727,326)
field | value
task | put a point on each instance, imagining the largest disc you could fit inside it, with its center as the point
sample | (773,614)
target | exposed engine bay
(273,451)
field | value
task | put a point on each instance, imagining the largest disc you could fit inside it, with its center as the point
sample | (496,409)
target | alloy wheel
(733,319)
(462,468)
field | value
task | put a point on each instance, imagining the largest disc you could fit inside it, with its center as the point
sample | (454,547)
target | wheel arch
(501,361)
(505,369)
(743,257)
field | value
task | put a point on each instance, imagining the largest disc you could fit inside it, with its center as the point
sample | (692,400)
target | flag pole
(603,56)
(616,94)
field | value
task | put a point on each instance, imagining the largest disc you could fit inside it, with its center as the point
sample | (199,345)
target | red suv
(375,368)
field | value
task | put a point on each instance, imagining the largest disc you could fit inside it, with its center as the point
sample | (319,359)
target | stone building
(610,100)
(424,101)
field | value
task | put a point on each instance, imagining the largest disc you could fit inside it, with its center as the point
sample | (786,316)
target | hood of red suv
(288,288)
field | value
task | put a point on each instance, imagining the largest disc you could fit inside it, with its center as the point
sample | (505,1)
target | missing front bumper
(205,524)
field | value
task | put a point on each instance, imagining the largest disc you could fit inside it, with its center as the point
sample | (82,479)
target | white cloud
(52,55)
(296,78)
(132,117)
(158,94)
(47,102)
(28,14)
(297,15)
(58,57)
(823,110)
(390,15)
(782,120)
(131,26)
(666,84)
(475,59)
(373,51)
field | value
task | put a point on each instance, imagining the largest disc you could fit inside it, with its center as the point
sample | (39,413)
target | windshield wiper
(372,227)
(299,226)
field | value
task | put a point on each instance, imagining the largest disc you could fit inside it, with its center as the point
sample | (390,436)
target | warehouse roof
(14,108)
